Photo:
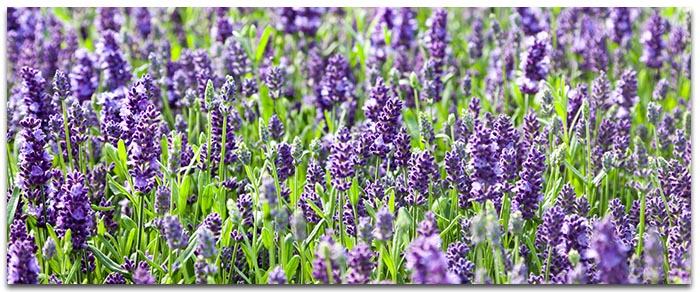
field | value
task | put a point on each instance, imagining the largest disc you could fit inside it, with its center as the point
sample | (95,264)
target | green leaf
(206,199)
(151,263)
(292,265)
(100,208)
(106,261)
(388,261)
(312,235)
(267,238)
(12,206)
(108,245)
(262,43)
(121,151)
(73,270)
(574,170)
(189,251)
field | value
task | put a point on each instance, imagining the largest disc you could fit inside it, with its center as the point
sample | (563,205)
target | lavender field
(348,146)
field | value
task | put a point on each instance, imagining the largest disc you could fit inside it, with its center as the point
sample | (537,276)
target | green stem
(138,238)
(65,129)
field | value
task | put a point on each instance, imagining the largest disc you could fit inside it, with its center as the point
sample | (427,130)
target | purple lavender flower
(224,26)
(458,264)
(609,253)
(476,40)
(276,127)
(277,276)
(304,20)
(534,64)
(33,161)
(329,256)
(422,172)
(360,264)
(142,276)
(75,212)
(173,232)
(428,263)
(213,223)
(402,144)
(652,39)
(653,257)
(284,161)
(116,70)
(34,96)
(206,243)
(625,93)
(437,42)
(341,161)
(162,202)
(567,198)
(677,41)
(528,188)
(384,224)
(484,163)
(335,86)
(600,92)
(244,205)
(274,80)
(143,21)
(115,279)
(620,24)
(22,264)
(108,18)
(530,19)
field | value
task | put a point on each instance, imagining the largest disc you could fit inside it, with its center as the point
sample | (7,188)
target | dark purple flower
(341,162)
(620,23)
(274,80)
(652,39)
(528,189)
(244,205)
(384,224)
(609,253)
(402,144)
(162,201)
(173,232)
(567,199)
(625,93)
(422,172)
(115,69)
(677,41)
(22,264)
(534,64)
(476,40)
(329,257)
(213,223)
(108,18)
(653,257)
(276,127)
(360,264)
(458,264)
(428,263)
(484,162)
(115,279)
(34,161)
(600,92)
(284,161)
(75,211)
(304,20)
(336,85)
(531,20)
